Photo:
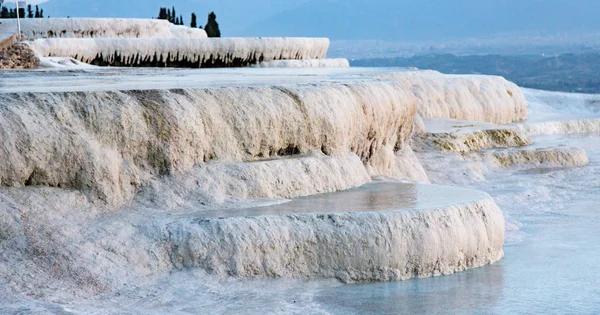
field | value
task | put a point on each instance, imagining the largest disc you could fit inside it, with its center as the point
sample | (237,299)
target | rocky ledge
(19,56)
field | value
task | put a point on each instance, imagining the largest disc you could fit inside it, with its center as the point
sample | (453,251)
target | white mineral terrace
(562,113)
(374,197)
(102,28)
(307,63)
(182,52)
(200,190)
(110,79)
(175,158)
(158,43)
(482,98)
(379,232)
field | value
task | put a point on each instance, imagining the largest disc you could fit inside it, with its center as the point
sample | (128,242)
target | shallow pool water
(549,266)
(374,197)
(551,248)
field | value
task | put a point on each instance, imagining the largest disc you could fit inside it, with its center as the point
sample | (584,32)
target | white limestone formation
(387,232)
(538,157)
(467,136)
(561,113)
(111,143)
(182,52)
(107,187)
(103,28)
(351,246)
(464,97)
(420,127)
(408,167)
(590,125)
(306,63)
(157,43)
(62,63)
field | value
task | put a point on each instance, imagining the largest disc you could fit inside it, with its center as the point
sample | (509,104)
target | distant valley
(567,72)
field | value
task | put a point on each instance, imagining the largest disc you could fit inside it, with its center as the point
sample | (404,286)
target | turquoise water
(551,254)
(550,262)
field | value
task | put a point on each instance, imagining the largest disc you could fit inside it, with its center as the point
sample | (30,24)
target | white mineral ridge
(308,63)
(420,127)
(104,28)
(562,156)
(111,143)
(132,51)
(589,125)
(546,105)
(219,182)
(432,231)
(103,187)
(561,113)
(63,63)
(465,97)
(476,166)
(461,136)
(408,167)
(350,246)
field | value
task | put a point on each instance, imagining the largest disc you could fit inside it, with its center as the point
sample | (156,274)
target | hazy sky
(401,20)
(233,15)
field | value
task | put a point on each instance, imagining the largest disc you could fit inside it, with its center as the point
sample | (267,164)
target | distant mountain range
(567,72)
(430,20)
(397,20)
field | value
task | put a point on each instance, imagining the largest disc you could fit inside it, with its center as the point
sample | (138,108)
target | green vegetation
(193,22)
(212,27)
(6,13)
(170,15)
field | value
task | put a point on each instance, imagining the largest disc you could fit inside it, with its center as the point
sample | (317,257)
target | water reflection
(461,293)
(379,196)
(540,170)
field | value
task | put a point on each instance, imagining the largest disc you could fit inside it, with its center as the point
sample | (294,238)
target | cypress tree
(193,23)
(22,13)
(169,16)
(29,12)
(212,27)
(181,20)
(37,12)
(41,13)
(4,14)
(173,15)
(162,14)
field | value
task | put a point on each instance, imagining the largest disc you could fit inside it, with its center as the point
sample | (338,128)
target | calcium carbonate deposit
(468,136)
(476,98)
(182,52)
(307,63)
(272,190)
(111,143)
(103,28)
(158,43)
